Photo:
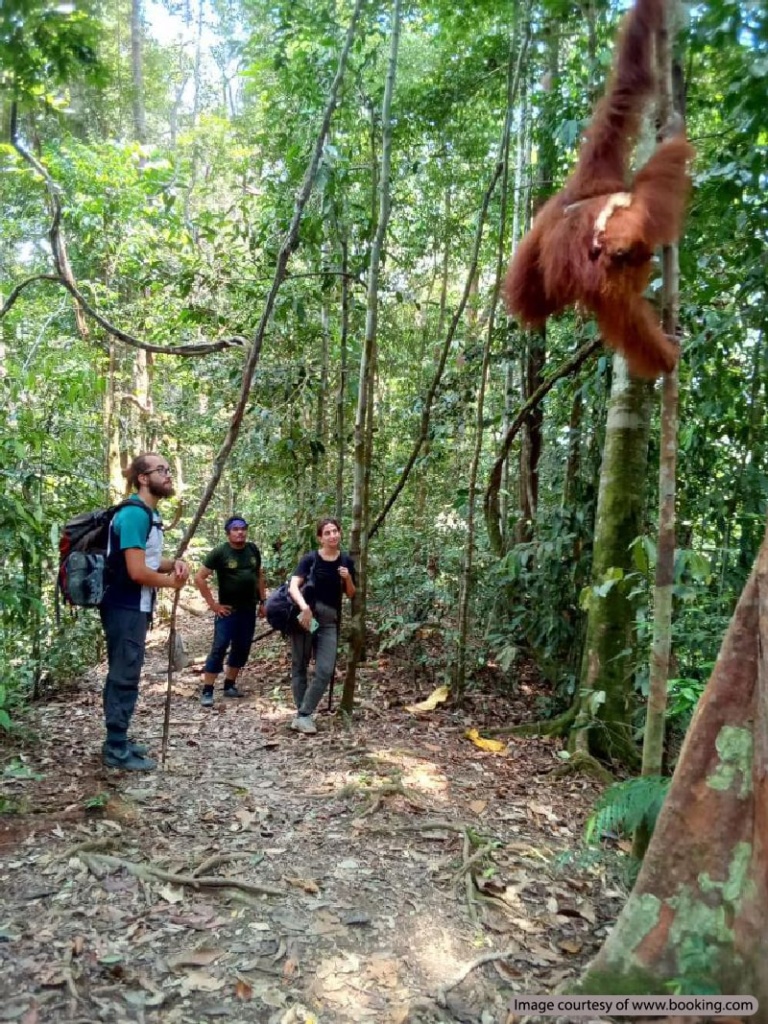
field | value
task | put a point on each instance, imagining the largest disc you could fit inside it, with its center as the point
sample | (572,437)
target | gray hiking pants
(126,634)
(323,641)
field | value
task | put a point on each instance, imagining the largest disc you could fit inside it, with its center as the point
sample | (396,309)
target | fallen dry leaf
(243,991)
(570,945)
(478,806)
(195,958)
(436,697)
(171,894)
(491,746)
(305,884)
(290,967)
(201,981)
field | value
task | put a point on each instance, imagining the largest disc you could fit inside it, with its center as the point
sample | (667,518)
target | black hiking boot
(125,759)
(206,698)
(139,749)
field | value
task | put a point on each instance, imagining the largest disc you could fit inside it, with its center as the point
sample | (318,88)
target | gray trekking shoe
(305,724)
(206,699)
(126,760)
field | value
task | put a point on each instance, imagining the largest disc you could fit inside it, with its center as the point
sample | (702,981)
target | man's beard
(164,490)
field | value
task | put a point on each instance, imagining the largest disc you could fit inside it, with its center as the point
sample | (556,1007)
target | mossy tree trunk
(605,701)
(698,914)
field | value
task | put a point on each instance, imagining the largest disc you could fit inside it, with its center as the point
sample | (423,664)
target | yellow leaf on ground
(436,697)
(493,746)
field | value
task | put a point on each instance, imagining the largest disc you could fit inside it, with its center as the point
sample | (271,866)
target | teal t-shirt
(237,574)
(129,530)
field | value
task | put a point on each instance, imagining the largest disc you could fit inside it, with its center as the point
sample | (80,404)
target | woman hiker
(317,585)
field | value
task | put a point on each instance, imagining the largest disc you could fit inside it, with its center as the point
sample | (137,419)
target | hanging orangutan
(591,244)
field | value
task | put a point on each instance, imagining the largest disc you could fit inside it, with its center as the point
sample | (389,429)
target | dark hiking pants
(126,633)
(323,642)
(234,631)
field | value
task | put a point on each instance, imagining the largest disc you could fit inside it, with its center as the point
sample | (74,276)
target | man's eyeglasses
(165,470)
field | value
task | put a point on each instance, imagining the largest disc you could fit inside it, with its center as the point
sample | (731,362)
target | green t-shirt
(237,574)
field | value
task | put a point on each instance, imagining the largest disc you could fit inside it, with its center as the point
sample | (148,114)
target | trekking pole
(333,680)
(169,689)
(263,636)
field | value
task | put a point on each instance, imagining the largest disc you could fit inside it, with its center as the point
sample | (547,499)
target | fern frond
(626,806)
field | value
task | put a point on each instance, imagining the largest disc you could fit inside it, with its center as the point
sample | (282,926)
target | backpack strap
(130,503)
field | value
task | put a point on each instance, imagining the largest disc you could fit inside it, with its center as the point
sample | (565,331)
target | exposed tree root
(381,792)
(101,864)
(469,885)
(441,996)
(584,763)
(223,858)
(92,846)
(469,860)
(559,726)
(423,826)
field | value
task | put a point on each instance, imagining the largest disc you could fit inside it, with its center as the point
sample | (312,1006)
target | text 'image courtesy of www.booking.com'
(631,1006)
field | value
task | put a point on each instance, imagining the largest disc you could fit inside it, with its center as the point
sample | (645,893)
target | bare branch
(65,277)
(5,308)
(491,501)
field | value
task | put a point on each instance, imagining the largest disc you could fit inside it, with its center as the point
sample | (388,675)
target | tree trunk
(137,73)
(319,431)
(465,591)
(363,424)
(603,726)
(698,914)
(341,394)
(653,738)
(112,429)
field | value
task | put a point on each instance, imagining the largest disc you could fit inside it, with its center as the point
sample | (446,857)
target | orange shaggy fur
(592,242)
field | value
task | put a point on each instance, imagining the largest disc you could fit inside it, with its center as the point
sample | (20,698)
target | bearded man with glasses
(135,569)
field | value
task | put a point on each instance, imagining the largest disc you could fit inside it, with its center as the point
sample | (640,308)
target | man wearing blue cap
(241,596)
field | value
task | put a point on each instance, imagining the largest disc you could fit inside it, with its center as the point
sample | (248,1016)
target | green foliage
(18,769)
(534,588)
(176,241)
(97,802)
(5,718)
(44,44)
(684,695)
(628,805)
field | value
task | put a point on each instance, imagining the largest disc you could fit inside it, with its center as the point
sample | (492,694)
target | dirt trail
(269,877)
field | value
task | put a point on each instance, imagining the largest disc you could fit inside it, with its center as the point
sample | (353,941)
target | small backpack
(83,543)
(281,610)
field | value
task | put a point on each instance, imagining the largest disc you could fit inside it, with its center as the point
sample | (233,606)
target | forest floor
(385,870)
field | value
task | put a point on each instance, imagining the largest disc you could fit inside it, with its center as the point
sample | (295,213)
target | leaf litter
(383,870)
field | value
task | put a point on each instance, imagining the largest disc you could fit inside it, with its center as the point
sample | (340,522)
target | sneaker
(206,699)
(304,723)
(126,760)
(232,691)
